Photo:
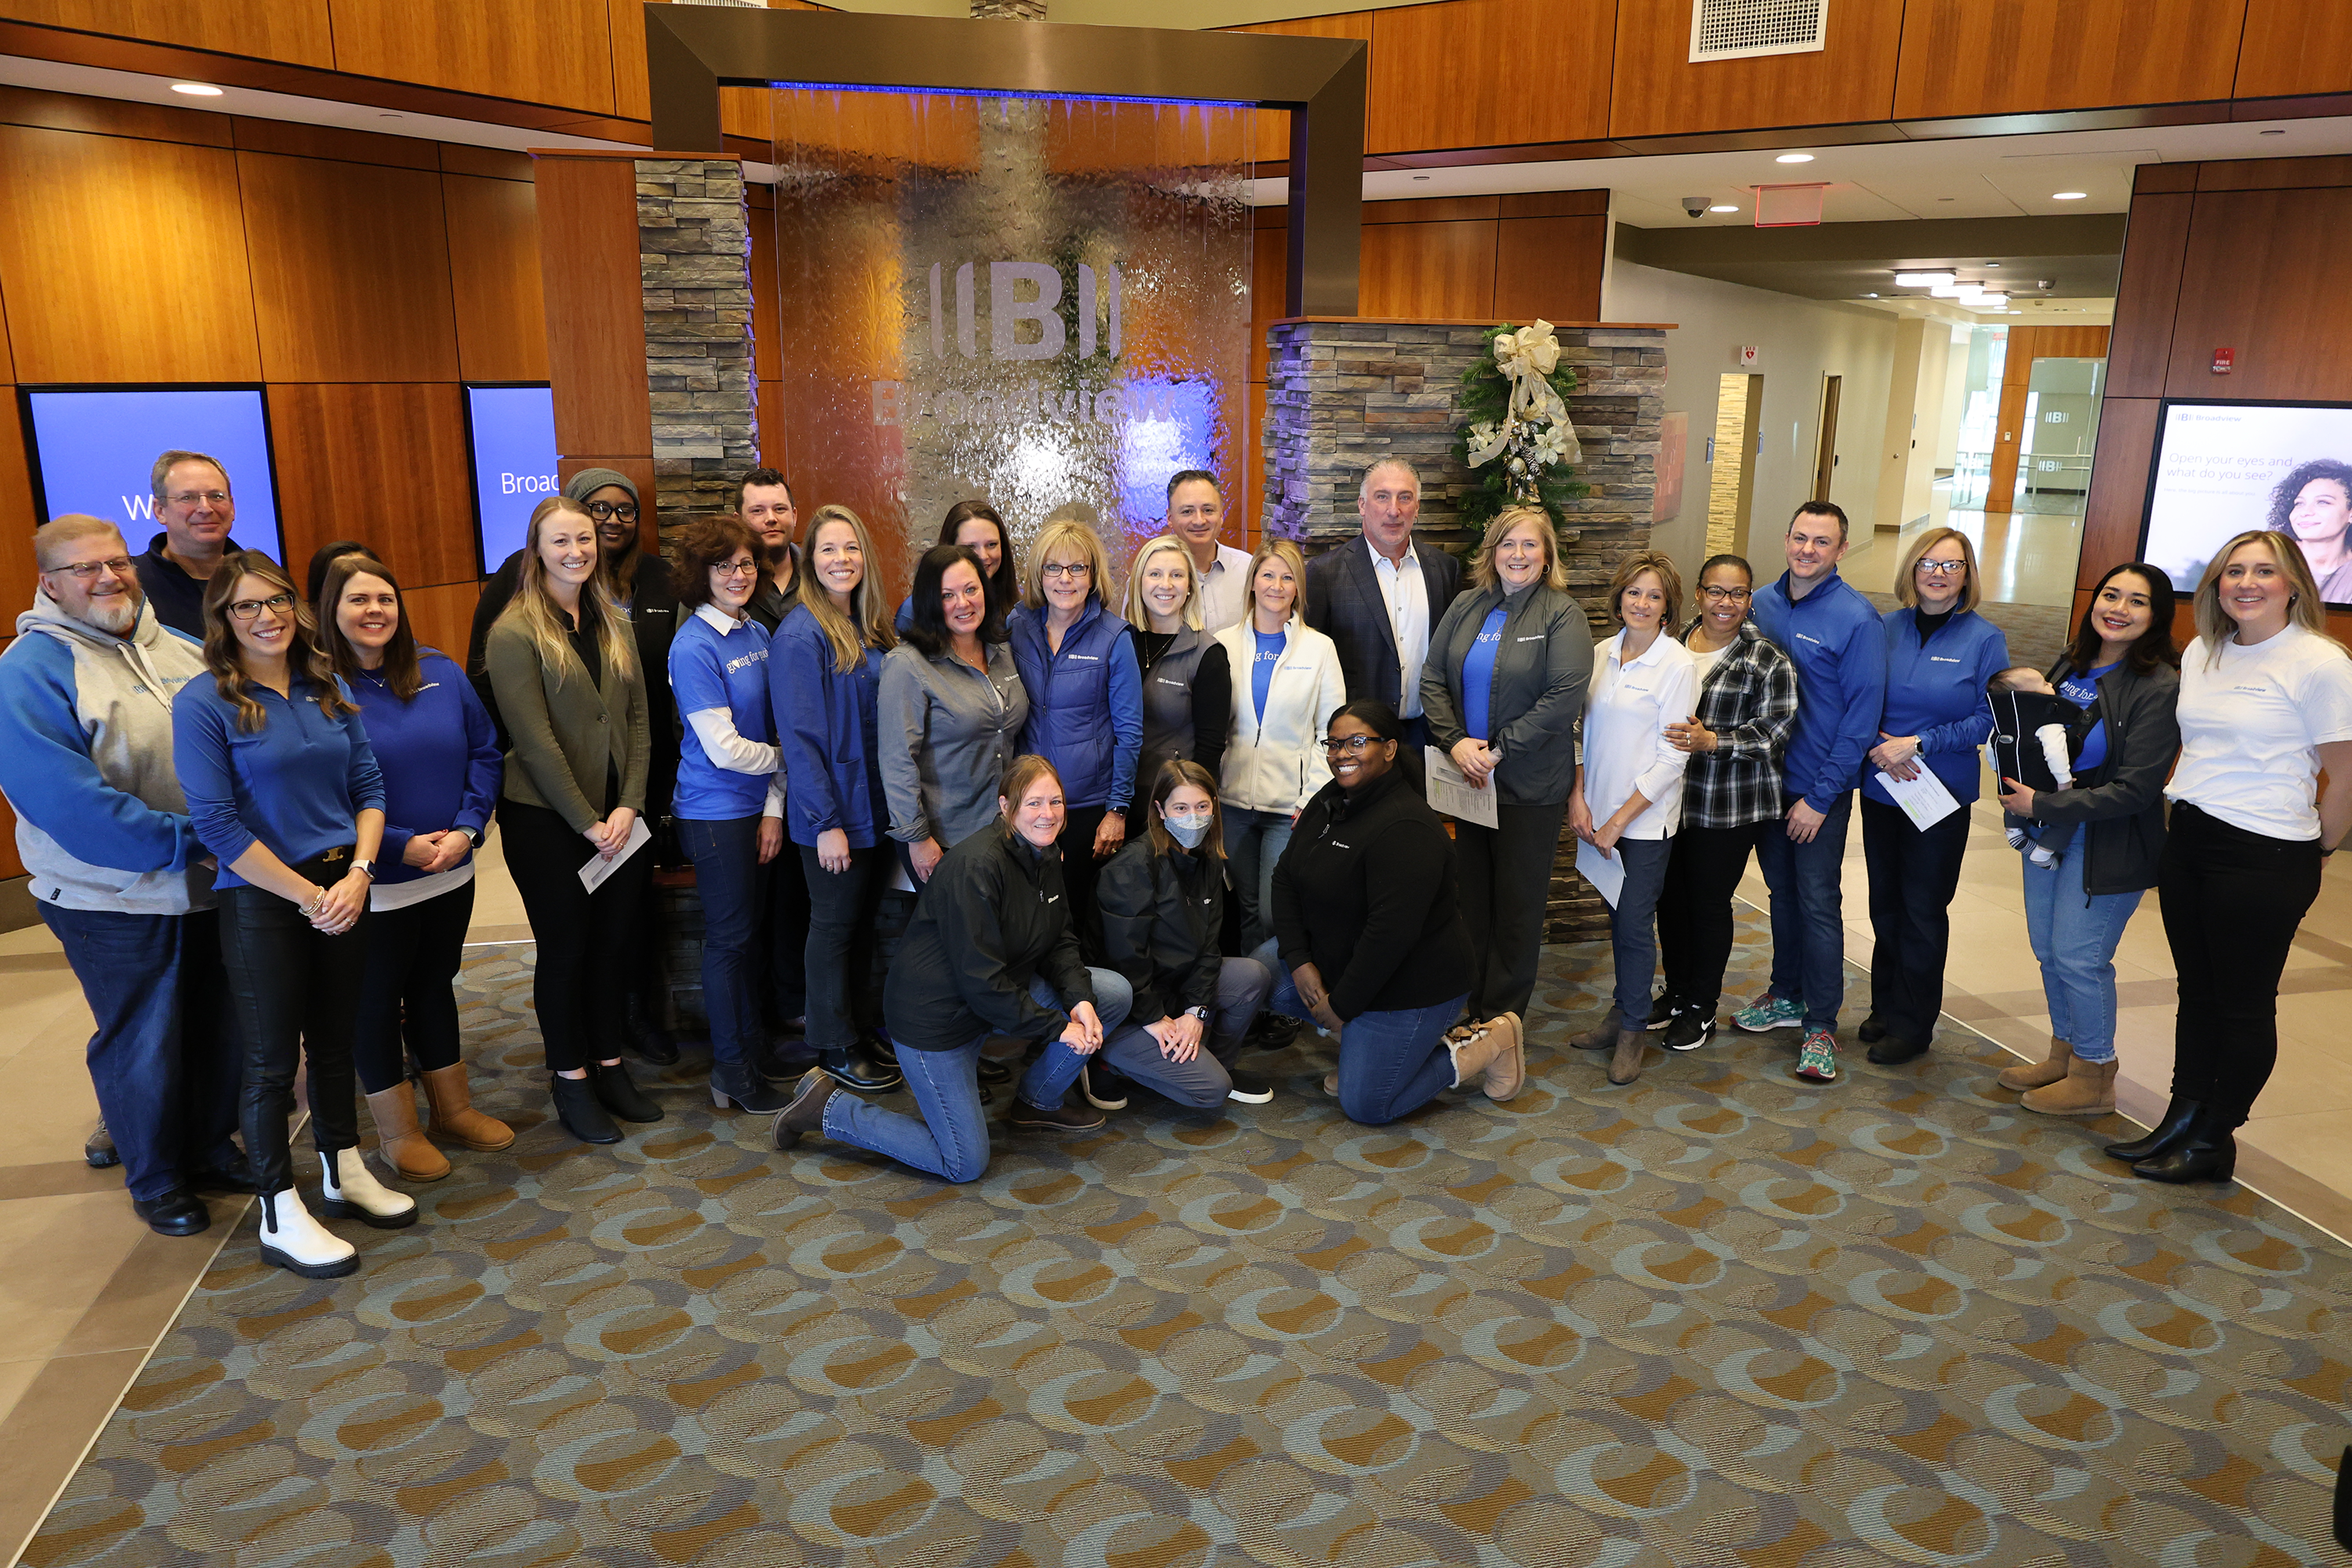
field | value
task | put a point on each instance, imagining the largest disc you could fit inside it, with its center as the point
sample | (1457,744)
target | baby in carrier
(2036,736)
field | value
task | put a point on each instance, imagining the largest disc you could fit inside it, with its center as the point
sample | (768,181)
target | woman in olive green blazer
(564,666)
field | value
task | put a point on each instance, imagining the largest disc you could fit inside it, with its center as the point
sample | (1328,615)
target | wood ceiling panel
(2295,46)
(1465,74)
(296,31)
(543,51)
(1657,91)
(2020,57)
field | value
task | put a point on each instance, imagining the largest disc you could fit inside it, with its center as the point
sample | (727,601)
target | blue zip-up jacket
(826,725)
(1834,639)
(297,784)
(1086,704)
(438,752)
(1935,691)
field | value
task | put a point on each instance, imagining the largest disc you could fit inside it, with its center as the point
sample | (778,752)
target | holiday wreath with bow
(1519,440)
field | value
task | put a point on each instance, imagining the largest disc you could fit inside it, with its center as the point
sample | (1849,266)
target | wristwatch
(366,865)
(1197,1012)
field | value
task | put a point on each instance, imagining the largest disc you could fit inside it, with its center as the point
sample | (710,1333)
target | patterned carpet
(1718,1319)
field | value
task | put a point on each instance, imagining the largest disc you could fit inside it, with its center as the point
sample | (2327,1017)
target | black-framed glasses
(1354,745)
(735,569)
(627,511)
(249,609)
(1726,595)
(87,571)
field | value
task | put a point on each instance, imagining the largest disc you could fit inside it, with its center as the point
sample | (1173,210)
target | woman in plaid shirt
(1731,792)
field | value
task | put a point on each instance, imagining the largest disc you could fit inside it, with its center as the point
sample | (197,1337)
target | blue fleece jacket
(825,728)
(1834,639)
(297,784)
(439,756)
(1086,704)
(1935,691)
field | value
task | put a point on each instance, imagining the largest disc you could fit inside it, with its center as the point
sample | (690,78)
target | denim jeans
(950,1138)
(1255,841)
(160,1058)
(1390,1063)
(1203,1082)
(727,875)
(843,1000)
(1634,923)
(2074,936)
(1808,913)
(1913,873)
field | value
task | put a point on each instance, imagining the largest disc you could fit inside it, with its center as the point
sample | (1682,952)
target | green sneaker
(1817,1061)
(1768,1013)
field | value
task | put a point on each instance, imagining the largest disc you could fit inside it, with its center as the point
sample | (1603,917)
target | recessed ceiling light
(1922,279)
(2274,133)
(1794,158)
(1421,176)
(1947,199)
(1725,207)
(2068,195)
(1991,301)
(196,89)
(1946,290)
(1992,264)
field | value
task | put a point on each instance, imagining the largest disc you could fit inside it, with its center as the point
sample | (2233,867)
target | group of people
(1143,829)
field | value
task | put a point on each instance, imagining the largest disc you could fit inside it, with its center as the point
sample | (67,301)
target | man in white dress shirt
(1196,513)
(1378,595)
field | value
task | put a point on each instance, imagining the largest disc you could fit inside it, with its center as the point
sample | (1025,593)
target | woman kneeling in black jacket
(1162,900)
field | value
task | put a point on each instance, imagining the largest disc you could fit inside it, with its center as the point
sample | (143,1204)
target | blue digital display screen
(512,433)
(93,450)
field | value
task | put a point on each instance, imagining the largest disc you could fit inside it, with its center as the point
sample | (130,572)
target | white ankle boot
(350,1191)
(292,1240)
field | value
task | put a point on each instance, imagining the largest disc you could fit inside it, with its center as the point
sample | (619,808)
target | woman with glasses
(563,664)
(975,526)
(284,791)
(1086,704)
(1734,736)
(1502,688)
(439,756)
(1274,760)
(1188,684)
(729,801)
(1939,655)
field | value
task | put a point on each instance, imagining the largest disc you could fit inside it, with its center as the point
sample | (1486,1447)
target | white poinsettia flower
(1489,442)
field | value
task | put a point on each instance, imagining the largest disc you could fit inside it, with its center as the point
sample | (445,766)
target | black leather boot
(643,1030)
(619,1093)
(582,1113)
(746,1088)
(852,1068)
(2169,1129)
(98,1152)
(2205,1153)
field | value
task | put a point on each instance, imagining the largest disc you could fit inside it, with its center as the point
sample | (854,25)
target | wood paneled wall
(2242,255)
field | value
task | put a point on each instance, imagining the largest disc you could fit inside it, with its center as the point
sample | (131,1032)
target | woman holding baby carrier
(2092,849)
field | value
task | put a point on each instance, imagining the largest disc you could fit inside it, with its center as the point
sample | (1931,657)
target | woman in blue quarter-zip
(1939,654)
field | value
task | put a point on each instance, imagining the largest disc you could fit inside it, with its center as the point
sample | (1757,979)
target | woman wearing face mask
(952,708)
(563,665)
(439,756)
(1188,684)
(975,526)
(1163,911)
(991,951)
(1274,758)
(2313,506)
(283,789)
(1502,688)
(1629,793)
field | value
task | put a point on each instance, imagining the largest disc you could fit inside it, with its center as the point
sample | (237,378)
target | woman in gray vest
(1188,686)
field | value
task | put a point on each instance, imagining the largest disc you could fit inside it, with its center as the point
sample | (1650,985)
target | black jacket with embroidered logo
(1366,891)
(1162,918)
(993,918)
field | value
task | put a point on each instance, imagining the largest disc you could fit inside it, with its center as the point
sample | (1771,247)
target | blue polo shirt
(1935,691)
(297,784)
(1834,639)
(716,661)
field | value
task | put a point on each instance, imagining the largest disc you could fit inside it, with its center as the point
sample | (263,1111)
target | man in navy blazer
(1379,597)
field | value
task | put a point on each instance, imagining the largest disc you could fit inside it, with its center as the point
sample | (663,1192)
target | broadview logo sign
(1025,322)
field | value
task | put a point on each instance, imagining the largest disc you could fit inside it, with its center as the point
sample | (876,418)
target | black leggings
(586,940)
(1080,871)
(410,989)
(1694,922)
(293,994)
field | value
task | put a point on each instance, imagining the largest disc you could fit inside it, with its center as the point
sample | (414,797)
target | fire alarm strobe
(2225,361)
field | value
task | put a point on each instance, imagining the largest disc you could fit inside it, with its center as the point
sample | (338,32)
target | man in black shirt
(196,507)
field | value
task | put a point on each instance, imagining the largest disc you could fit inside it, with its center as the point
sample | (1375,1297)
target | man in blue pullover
(86,760)
(1838,643)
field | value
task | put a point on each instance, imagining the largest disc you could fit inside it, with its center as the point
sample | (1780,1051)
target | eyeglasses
(1354,745)
(1724,596)
(249,609)
(735,569)
(1068,569)
(1943,568)
(600,509)
(190,498)
(87,571)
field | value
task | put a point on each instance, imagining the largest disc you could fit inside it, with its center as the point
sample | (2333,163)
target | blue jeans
(2074,936)
(1634,923)
(1202,1083)
(1255,841)
(160,1059)
(1808,913)
(950,1138)
(727,875)
(1390,1063)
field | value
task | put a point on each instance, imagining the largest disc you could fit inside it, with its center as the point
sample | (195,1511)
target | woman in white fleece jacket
(1287,685)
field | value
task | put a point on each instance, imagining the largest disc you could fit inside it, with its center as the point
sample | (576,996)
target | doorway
(1826,459)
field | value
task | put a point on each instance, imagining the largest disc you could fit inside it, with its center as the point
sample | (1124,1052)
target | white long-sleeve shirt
(1626,712)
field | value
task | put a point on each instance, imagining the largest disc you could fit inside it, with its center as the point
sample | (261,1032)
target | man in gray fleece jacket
(86,760)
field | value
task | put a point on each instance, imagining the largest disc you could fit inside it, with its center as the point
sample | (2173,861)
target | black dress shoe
(1873,1030)
(233,1174)
(176,1213)
(853,1069)
(994,1071)
(620,1094)
(98,1152)
(881,1047)
(2169,1129)
(582,1113)
(2205,1153)
(784,1061)
(1063,1118)
(644,1035)
(1892,1051)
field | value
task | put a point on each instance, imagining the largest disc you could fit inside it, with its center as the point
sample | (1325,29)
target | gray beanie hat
(588,481)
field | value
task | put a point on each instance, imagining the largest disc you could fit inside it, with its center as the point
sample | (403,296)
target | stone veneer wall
(694,256)
(1343,393)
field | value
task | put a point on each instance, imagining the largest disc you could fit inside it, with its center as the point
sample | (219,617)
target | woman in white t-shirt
(2266,705)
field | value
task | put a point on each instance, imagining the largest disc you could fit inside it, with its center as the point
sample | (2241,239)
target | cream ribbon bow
(1527,357)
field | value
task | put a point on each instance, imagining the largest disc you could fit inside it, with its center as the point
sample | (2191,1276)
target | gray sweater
(947,735)
(1541,670)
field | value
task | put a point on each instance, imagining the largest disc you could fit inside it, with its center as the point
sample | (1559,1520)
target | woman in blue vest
(1939,654)
(824,678)
(1086,704)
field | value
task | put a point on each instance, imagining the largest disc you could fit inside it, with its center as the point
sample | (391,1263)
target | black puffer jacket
(993,918)
(2121,810)
(1162,917)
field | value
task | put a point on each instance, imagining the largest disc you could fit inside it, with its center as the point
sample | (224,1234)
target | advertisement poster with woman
(2224,467)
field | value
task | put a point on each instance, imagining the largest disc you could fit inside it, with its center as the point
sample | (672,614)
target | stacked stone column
(694,256)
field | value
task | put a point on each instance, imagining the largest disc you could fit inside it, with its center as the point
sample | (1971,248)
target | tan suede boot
(410,1154)
(2087,1089)
(1626,1065)
(2038,1075)
(1491,1054)
(1603,1034)
(454,1116)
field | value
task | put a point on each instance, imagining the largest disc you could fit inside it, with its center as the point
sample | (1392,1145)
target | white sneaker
(294,1241)
(349,1191)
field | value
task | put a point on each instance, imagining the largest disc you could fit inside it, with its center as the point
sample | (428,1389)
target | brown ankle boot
(2038,1075)
(1626,1065)
(1603,1034)
(454,1116)
(2087,1089)
(410,1154)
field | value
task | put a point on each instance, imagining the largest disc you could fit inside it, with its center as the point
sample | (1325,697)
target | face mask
(1187,830)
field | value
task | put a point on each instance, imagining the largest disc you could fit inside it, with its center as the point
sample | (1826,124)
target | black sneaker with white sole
(1690,1030)
(1252,1089)
(1102,1088)
(1662,1011)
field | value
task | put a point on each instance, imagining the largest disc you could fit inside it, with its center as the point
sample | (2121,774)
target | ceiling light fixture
(1421,176)
(196,89)
(1992,264)
(1725,207)
(1947,290)
(2068,195)
(1794,158)
(1994,302)
(1922,279)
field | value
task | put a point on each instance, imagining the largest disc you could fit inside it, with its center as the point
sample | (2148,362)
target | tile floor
(2028,557)
(86,1291)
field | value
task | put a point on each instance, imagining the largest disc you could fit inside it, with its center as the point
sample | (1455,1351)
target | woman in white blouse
(1629,790)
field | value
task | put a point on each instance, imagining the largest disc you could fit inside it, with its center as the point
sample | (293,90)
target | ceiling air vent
(1734,29)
